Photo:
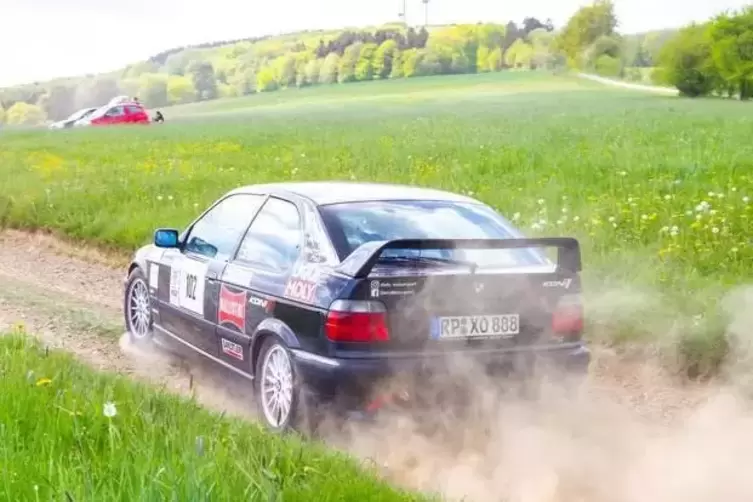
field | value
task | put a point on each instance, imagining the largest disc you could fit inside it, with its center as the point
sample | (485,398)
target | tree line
(712,58)
(237,68)
(700,59)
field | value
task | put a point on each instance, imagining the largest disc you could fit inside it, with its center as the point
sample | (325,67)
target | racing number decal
(187,285)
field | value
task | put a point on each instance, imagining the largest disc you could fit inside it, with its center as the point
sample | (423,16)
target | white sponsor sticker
(187,279)
(154,276)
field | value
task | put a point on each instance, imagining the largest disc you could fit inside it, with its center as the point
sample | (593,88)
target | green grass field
(68,433)
(657,188)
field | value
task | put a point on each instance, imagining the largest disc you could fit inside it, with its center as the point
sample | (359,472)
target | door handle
(212,276)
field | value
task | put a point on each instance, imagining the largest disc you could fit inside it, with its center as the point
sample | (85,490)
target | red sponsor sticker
(232,308)
(232,349)
(298,289)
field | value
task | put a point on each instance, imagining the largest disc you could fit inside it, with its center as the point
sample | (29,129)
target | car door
(256,276)
(190,310)
(136,115)
(113,116)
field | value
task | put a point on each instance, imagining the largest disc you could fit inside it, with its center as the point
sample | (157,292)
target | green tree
(328,73)
(384,58)
(495,60)
(2,115)
(153,89)
(364,69)
(202,76)
(347,69)
(686,62)
(482,59)
(266,81)
(519,55)
(60,101)
(731,37)
(312,71)
(584,28)
(25,114)
(397,65)
(180,90)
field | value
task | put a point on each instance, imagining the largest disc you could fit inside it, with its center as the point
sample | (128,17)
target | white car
(72,119)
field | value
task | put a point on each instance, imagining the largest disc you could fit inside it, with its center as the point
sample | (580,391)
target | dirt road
(574,449)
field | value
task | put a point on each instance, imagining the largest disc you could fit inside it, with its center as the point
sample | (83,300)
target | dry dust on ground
(631,434)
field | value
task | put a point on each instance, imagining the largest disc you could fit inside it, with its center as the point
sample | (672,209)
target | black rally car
(319,290)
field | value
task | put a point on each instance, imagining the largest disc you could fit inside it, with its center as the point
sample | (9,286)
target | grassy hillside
(69,433)
(657,188)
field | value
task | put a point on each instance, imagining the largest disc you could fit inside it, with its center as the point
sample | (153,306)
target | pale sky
(42,39)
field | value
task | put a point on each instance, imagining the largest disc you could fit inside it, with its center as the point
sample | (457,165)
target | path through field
(633,434)
(629,85)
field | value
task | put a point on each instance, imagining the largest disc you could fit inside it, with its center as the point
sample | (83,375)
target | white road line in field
(628,85)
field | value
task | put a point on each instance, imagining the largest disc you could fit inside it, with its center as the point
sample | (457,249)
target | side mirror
(166,238)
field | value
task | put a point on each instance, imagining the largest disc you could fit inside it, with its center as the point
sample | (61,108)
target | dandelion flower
(541,202)
(43,381)
(746,199)
(714,230)
(576,218)
(109,410)
(667,197)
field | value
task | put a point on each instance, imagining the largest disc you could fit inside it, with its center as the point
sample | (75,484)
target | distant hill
(229,68)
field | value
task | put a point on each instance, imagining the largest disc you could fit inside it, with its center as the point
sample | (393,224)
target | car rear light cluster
(567,319)
(357,321)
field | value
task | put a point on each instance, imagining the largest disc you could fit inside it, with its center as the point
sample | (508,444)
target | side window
(216,234)
(115,112)
(134,110)
(273,240)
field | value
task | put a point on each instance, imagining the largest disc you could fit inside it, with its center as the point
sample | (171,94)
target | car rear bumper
(328,377)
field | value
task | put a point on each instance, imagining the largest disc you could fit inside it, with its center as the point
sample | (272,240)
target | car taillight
(357,321)
(567,319)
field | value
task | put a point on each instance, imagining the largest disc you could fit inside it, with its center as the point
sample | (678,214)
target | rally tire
(137,308)
(279,398)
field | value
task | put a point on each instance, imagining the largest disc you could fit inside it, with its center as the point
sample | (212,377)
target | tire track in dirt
(71,298)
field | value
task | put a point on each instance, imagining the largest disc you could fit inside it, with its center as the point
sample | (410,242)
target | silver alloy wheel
(276,386)
(138,309)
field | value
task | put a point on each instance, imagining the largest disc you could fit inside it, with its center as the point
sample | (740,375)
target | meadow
(657,188)
(70,433)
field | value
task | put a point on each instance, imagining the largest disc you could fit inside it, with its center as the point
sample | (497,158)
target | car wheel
(278,390)
(138,308)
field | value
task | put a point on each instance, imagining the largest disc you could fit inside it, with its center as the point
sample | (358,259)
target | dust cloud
(187,373)
(642,437)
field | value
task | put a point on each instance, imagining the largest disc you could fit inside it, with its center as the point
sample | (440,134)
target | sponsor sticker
(393,288)
(232,349)
(299,289)
(375,289)
(565,283)
(232,308)
(265,304)
(175,286)
(153,276)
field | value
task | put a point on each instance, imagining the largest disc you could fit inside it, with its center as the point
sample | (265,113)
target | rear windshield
(353,224)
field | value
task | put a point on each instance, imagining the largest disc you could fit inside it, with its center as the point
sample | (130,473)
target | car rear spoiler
(359,264)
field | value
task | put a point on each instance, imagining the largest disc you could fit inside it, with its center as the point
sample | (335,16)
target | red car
(122,113)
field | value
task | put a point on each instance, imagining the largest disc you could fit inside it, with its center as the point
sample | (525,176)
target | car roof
(336,192)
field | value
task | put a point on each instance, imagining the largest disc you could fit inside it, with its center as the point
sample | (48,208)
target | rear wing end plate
(360,263)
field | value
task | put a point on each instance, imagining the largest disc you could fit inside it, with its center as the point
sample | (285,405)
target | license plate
(477,326)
